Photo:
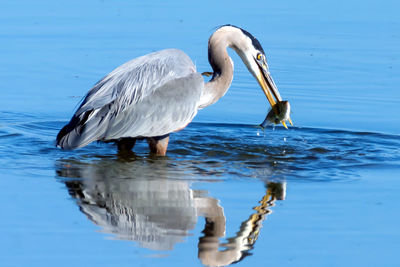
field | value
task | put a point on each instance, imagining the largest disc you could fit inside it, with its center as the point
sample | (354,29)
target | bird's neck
(222,66)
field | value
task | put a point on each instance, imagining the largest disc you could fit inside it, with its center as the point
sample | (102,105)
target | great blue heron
(159,93)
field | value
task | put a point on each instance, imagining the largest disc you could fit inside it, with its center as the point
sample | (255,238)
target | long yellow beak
(271,91)
(264,86)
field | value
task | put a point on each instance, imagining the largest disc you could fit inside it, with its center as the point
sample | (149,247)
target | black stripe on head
(253,39)
(255,42)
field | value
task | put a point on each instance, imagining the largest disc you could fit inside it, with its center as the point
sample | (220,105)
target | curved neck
(222,66)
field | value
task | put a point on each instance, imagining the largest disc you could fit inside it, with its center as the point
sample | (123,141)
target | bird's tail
(74,134)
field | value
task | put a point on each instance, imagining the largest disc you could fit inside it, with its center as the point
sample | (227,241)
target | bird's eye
(259,56)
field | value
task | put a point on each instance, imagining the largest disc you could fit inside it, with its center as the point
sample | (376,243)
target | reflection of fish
(279,114)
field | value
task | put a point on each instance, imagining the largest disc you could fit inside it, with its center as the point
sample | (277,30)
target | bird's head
(253,56)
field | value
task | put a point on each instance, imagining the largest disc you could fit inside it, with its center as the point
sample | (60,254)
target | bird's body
(156,94)
(121,105)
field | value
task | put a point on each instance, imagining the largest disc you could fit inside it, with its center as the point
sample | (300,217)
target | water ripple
(226,151)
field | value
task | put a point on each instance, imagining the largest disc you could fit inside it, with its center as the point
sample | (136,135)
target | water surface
(222,187)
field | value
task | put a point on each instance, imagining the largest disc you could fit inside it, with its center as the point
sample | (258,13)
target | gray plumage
(122,104)
(159,93)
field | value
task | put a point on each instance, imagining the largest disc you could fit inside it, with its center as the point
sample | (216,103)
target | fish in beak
(282,116)
(280,110)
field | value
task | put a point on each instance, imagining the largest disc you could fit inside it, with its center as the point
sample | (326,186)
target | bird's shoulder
(168,60)
(138,78)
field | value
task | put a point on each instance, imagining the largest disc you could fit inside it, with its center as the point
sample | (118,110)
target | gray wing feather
(171,107)
(151,95)
(137,78)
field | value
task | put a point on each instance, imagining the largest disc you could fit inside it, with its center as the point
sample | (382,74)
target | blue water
(323,193)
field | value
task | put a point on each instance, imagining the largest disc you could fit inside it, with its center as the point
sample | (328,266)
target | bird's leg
(126,144)
(158,145)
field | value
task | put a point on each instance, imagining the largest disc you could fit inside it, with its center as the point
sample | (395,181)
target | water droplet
(284,139)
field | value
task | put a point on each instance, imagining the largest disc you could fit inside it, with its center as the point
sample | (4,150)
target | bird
(157,94)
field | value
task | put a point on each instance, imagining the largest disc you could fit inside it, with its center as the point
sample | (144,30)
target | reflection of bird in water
(159,211)
(155,214)
(159,93)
